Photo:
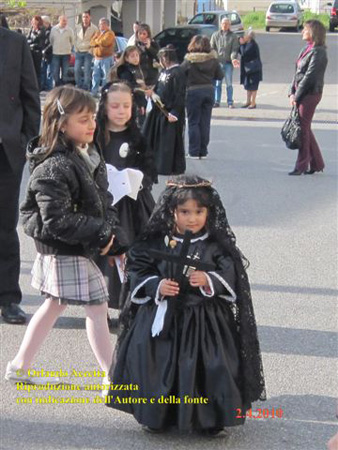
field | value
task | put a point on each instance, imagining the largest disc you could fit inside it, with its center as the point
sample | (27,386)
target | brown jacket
(103,44)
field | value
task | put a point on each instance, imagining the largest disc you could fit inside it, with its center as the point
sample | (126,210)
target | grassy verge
(256,20)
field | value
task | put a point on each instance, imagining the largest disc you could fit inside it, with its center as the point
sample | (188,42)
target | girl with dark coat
(36,42)
(306,92)
(165,130)
(201,67)
(251,68)
(67,211)
(123,146)
(189,348)
(148,54)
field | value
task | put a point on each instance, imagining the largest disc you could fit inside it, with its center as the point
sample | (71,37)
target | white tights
(43,321)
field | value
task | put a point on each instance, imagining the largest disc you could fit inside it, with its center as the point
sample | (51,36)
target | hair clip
(60,108)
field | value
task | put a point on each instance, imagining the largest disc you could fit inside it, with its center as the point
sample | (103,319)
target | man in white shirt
(84,56)
(62,40)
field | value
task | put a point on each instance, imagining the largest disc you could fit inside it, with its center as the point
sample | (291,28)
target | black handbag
(252,67)
(291,130)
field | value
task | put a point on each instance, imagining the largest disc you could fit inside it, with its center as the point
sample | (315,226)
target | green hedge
(256,20)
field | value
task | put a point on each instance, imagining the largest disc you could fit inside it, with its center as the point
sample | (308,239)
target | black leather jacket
(309,76)
(67,210)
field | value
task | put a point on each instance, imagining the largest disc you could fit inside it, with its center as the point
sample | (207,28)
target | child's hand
(198,278)
(172,118)
(106,249)
(169,288)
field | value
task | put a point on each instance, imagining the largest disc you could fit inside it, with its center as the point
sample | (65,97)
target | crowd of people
(185,296)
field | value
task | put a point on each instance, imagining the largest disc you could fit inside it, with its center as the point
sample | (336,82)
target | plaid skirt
(73,280)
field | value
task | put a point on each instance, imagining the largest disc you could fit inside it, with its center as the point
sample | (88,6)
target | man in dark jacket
(19,121)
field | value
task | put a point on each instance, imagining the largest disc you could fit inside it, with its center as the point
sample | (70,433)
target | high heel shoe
(312,171)
(246,105)
(296,172)
(252,107)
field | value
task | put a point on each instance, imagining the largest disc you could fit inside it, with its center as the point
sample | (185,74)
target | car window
(282,8)
(207,31)
(210,19)
(197,19)
(234,18)
(185,34)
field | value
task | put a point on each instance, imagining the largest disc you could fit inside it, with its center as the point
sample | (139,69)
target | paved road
(287,229)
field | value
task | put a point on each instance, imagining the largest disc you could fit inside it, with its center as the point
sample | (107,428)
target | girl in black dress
(123,146)
(164,128)
(128,69)
(188,351)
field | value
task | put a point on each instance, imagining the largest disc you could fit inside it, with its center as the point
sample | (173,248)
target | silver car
(286,14)
(215,18)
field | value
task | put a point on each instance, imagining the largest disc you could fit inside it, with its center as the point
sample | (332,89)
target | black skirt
(133,216)
(189,380)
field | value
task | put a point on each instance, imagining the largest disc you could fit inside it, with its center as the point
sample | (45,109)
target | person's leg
(306,108)
(88,58)
(205,119)
(218,88)
(253,98)
(56,64)
(49,79)
(79,61)
(96,78)
(106,65)
(9,241)
(38,328)
(98,334)
(228,70)
(37,66)
(65,66)
(43,78)
(194,115)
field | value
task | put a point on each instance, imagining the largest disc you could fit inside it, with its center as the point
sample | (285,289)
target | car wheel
(267,29)
(297,28)
(331,27)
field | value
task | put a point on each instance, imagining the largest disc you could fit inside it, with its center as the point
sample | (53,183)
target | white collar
(199,238)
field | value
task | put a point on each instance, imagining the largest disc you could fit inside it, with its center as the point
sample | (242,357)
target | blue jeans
(199,107)
(100,71)
(228,70)
(46,76)
(83,59)
(60,63)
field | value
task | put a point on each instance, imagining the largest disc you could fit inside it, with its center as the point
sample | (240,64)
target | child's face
(119,106)
(190,216)
(80,127)
(133,58)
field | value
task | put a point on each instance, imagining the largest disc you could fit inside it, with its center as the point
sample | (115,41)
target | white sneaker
(19,375)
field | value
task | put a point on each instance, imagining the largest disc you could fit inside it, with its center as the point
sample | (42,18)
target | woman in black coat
(148,54)
(251,68)
(36,42)
(306,92)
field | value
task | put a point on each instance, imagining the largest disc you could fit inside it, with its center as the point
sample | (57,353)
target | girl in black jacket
(68,212)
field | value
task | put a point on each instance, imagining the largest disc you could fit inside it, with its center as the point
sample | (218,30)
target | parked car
(284,14)
(181,36)
(120,45)
(215,18)
(333,15)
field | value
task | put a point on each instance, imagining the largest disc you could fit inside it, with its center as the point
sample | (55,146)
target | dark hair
(86,12)
(3,21)
(137,22)
(199,44)
(317,30)
(144,27)
(102,117)
(112,76)
(168,54)
(61,102)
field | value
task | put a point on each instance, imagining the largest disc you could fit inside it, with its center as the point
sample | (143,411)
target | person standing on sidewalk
(103,44)
(47,55)
(83,56)
(36,42)
(62,40)
(226,45)
(19,121)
